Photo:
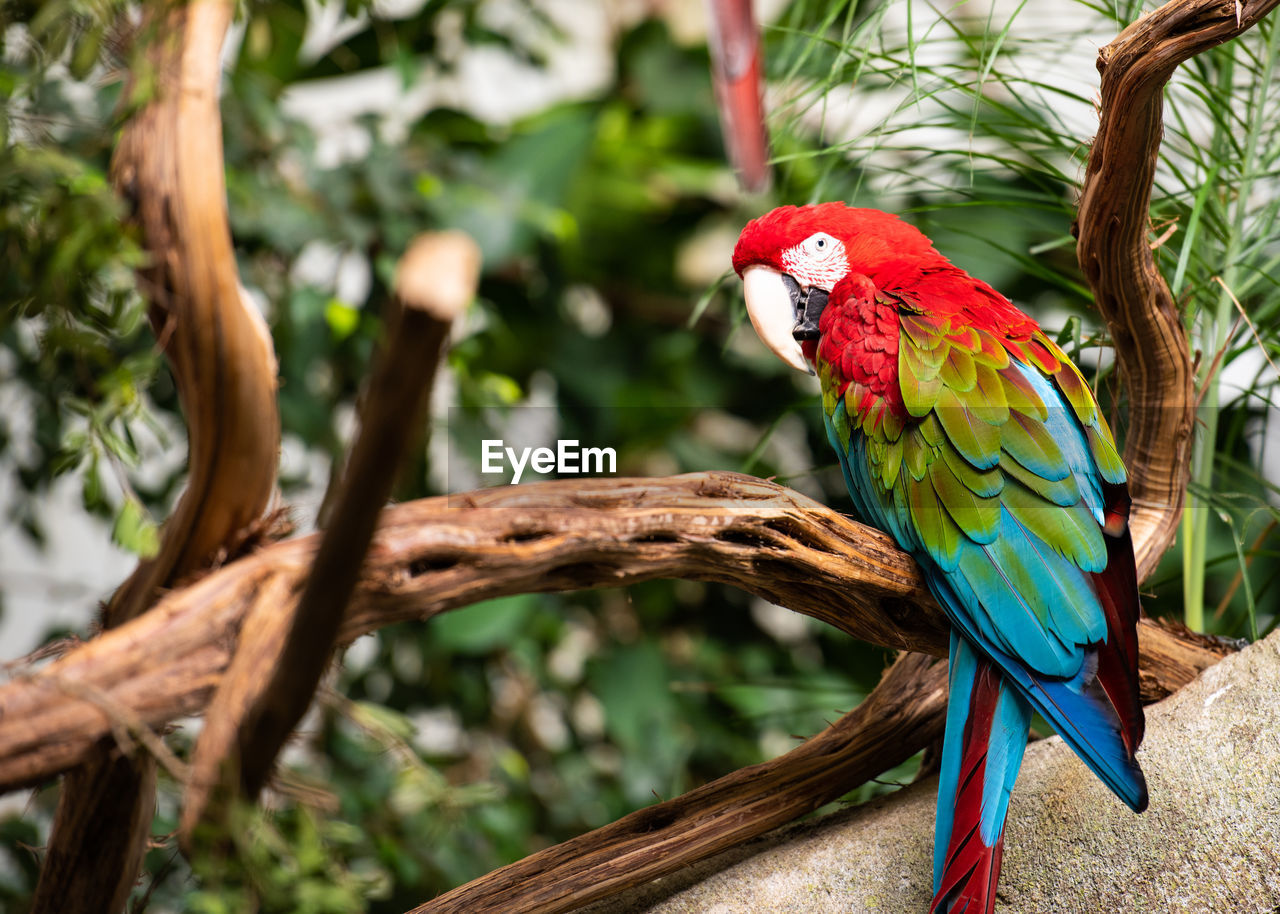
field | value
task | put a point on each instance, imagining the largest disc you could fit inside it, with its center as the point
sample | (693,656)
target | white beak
(772,313)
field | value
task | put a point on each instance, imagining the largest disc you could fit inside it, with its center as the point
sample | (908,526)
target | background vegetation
(605,315)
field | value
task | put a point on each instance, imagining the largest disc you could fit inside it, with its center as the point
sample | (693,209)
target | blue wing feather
(1044,637)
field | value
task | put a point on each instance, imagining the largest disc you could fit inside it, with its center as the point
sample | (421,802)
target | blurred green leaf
(484,626)
(135,530)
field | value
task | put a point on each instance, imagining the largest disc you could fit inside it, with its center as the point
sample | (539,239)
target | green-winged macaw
(968,436)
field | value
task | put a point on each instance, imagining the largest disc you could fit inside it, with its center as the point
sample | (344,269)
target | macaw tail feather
(987,724)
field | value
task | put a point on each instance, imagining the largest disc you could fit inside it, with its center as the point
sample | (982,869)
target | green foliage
(286,863)
(71,321)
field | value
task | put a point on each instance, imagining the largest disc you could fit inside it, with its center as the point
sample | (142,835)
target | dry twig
(253,714)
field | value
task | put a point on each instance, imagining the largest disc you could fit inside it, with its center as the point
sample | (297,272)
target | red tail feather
(971,869)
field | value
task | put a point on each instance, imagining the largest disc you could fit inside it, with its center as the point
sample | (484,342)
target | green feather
(1030,443)
(1071,531)
(875,453)
(977,442)
(976,516)
(937,531)
(1077,392)
(989,402)
(875,415)
(892,426)
(1103,448)
(854,394)
(958,371)
(981,482)
(916,453)
(1021,396)
(1059,491)
(918,395)
(932,431)
(891,463)
(839,418)
(922,363)
(826,380)
(921,331)
(989,352)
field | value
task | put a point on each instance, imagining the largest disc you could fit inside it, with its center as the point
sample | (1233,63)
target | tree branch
(1112,228)
(169,163)
(904,713)
(438,554)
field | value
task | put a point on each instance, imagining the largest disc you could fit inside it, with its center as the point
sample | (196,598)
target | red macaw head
(788,253)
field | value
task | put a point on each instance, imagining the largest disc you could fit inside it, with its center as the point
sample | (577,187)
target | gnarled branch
(1112,227)
(904,712)
(443,553)
(169,163)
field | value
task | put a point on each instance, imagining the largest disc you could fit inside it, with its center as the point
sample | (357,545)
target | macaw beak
(782,313)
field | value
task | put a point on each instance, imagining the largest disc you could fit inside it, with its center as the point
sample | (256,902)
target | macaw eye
(819,243)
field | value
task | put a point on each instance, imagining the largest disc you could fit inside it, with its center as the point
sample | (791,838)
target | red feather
(872,239)
(1117,590)
(858,332)
(971,870)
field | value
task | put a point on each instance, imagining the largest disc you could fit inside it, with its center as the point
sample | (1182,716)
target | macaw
(967,435)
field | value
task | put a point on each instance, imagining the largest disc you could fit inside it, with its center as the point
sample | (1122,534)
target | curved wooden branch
(1112,228)
(443,553)
(169,163)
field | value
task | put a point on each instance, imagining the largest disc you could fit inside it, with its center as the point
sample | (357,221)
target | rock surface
(1208,844)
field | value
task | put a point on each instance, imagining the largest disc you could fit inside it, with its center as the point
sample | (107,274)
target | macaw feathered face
(793,257)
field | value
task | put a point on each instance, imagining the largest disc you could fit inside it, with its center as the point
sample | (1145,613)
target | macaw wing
(1003,480)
